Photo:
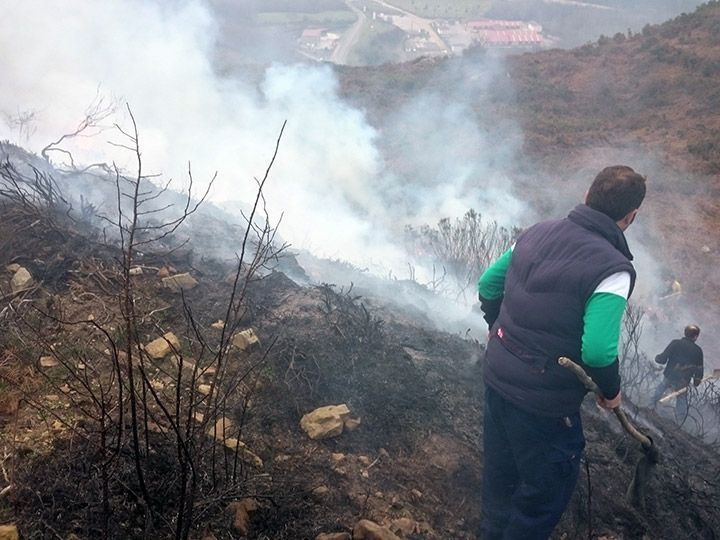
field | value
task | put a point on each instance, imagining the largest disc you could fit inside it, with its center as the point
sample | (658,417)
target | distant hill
(660,87)
(650,99)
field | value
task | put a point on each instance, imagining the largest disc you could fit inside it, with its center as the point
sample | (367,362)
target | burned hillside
(227,358)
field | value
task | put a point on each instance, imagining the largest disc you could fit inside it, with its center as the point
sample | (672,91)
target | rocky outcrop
(162,346)
(367,530)
(245,340)
(9,532)
(21,280)
(179,282)
(241,511)
(325,422)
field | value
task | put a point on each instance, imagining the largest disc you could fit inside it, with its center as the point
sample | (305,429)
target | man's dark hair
(692,331)
(616,191)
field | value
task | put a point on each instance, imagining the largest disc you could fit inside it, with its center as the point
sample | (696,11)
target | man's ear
(625,222)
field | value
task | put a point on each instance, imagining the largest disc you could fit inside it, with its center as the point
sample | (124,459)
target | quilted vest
(555,267)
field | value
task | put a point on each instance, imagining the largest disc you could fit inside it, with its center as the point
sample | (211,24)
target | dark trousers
(531,467)
(681,401)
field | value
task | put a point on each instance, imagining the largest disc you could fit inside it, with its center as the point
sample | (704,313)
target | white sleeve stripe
(618,283)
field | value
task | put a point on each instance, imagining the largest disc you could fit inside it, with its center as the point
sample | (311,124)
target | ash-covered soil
(414,463)
(417,391)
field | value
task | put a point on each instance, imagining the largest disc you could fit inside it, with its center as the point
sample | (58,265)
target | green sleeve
(601,330)
(492,283)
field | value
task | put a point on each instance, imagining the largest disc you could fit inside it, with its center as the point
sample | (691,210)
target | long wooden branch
(579,372)
(665,399)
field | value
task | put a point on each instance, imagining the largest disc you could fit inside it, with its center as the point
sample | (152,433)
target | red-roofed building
(509,37)
(313,33)
(502,33)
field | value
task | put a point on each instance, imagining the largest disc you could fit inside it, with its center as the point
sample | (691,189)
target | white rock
(21,280)
(245,339)
(179,282)
(325,422)
(162,346)
(48,361)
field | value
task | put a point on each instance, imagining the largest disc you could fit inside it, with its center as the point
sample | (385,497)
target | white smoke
(330,180)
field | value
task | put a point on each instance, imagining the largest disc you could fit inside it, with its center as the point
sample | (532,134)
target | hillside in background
(651,99)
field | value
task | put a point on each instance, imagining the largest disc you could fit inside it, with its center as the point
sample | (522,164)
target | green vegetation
(330,18)
(435,9)
(379,43)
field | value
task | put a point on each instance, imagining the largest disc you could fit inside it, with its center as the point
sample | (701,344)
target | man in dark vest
(683,359)
(561,290)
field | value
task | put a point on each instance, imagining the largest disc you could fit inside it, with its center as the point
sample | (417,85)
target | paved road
(350,38)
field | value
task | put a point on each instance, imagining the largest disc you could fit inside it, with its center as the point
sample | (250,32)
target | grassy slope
(438,8)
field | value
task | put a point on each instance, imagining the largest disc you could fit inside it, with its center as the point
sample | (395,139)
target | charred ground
(416,454)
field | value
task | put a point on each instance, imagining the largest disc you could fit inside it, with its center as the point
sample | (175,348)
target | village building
(318,42)
(503,33)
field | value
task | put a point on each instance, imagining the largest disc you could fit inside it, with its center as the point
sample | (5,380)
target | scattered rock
(179,282)
(243,452)
(204,389)
(705,249)
(157,385)
(12,268)
(159,348)
(333,536)
(21,280)
(163,272)
(245,340)
(241,514)
(367,530)
(320,491)
(9,532)
(136,271)
(416,495)
(218,325)
(403,526)
(337,457)
(222,429)
(364,460)
(325,422)
(48,361)
(351,423)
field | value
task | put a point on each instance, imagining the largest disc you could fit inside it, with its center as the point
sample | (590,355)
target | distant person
(561,290)
(683,360)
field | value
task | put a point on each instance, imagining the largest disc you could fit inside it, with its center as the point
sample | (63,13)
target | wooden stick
(676,393)
(590,385)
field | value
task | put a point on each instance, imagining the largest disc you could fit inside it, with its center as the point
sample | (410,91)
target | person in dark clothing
(683,360)
(561,290)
